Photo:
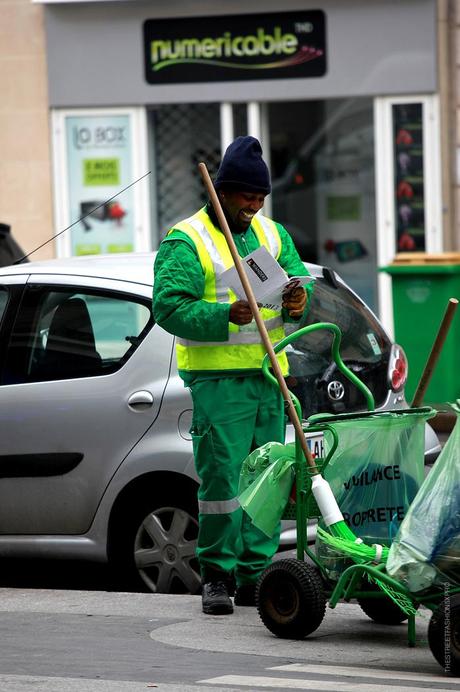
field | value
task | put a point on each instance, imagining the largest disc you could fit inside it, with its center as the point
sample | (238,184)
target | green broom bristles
(342,530)
(342,537)
(345,542)
(330,510)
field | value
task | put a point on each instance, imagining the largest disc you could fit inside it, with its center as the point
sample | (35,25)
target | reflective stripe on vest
(243,349)
(267,234)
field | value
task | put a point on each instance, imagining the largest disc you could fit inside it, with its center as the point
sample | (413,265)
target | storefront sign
(99,166)
(210,49)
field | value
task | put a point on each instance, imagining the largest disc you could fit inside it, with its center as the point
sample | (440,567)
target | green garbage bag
(426,550)
(266,480)
(375,473)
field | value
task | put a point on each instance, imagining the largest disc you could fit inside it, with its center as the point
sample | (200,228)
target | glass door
(322,164)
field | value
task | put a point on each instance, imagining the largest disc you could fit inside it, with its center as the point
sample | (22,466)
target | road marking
(313,685)
(365,673)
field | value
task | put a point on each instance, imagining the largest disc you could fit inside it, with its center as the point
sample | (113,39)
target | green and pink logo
(206,49)
(222,50)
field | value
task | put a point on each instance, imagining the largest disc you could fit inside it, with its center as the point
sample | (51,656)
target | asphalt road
(77,641)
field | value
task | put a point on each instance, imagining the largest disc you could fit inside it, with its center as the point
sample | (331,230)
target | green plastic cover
(426,550)
(266,480)
(375,474)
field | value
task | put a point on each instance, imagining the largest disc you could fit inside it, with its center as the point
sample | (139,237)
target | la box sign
(251,46)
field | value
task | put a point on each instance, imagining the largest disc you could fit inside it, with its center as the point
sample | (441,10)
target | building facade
(355,103)
(25,137)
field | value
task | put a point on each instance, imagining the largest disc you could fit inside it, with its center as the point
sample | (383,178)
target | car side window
(61,334)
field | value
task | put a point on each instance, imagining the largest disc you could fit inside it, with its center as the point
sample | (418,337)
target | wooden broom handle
(257,316)
(435,352)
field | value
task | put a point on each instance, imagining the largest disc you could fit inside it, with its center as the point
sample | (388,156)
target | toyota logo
(335,390)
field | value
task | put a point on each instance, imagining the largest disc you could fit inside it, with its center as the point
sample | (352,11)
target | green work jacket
(178,304)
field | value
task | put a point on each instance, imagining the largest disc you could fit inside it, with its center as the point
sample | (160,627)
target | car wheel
(290,599)
(444,634)
(155,547)
(164,551)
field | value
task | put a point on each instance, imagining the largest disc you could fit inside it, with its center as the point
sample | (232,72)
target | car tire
(290,599)
(154,543)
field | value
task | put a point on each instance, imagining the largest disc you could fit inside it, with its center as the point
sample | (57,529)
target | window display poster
(99,168)
(409,183)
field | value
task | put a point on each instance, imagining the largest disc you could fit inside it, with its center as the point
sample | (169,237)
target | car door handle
(141,400)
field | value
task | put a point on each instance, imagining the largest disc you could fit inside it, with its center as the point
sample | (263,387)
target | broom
(321,489)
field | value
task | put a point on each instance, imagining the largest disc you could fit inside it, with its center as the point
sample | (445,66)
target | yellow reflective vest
(243,349)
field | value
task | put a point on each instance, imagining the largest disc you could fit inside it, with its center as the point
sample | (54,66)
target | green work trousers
(232,416)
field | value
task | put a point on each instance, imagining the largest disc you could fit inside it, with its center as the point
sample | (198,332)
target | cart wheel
(381,610)
(290,599)
(444,634)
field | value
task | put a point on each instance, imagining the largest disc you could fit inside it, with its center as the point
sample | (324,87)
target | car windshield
(365,348)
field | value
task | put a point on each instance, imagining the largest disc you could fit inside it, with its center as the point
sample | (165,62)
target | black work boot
(215,598)
(245,595)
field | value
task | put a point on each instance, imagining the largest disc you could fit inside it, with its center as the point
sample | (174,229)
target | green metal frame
(349,584)
(301,470)
(335,349)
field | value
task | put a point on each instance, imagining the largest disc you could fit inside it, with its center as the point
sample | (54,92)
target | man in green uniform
(219,355)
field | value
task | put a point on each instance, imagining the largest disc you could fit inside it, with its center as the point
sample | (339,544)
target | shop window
(408,176)
(323,177)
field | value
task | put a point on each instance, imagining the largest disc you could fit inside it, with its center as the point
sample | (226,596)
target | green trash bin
(422,285)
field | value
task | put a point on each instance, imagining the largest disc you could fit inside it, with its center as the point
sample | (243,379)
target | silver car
(96,458)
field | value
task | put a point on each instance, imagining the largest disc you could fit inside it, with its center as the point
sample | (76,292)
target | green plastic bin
(422,285)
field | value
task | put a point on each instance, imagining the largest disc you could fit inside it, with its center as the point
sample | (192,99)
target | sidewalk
(81,634)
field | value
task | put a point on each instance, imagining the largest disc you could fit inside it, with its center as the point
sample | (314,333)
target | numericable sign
(270,46)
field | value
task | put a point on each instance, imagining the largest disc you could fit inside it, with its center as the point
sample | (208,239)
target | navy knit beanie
(243,168)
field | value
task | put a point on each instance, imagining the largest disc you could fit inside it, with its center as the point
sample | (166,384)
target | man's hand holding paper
(294,299)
